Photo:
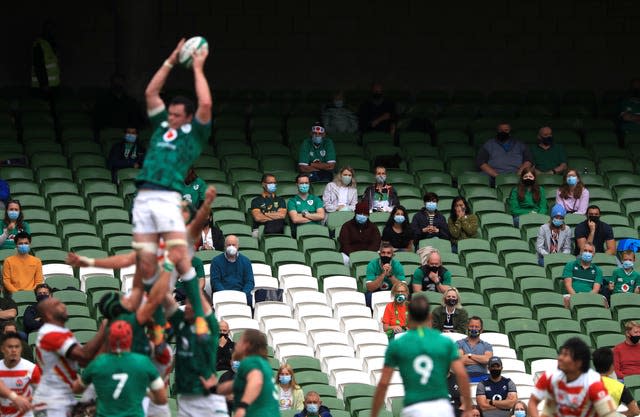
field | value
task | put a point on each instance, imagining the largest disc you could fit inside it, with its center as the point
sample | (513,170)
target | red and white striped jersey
(572,399)
(22,380)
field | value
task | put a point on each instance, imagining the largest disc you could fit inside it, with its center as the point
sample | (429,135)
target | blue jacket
(237,276)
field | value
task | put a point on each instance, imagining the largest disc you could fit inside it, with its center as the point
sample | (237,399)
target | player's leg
(202,406)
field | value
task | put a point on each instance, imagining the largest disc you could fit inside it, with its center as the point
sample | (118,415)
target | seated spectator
(549,157)
(595,231)
(503,154)
(397,231)
(290,394)
(462,223)
(554,236)
(432,276)
(313,406)
(496,394)
(620,394)
(572,194)
(125,154)
(624,279)
(211,237)
(394,319)
(10,327)
(5,193)
(117,108)
(194,189)
(450,316)
(454,393)
(630,109)
(626,355)
(527,197)
(12,224)
(476,411)
(341,194)
(22,271)
(317,157)
(582,275)
(32,321)
(303,207)
(232,270)
(381,196)
(225,348)
(337,117)
(475,352)
(8,310)
(383,272)
(429,222)
(358,233)
(268,209)
(230,375)
(377,113)
(519,410)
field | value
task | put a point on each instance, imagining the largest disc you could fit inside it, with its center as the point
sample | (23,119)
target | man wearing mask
(268,209)
(596,232)
(231,270)
(432,276)
(381,196)
(549,157)
(304,207)
(378,113)
(503,154)
(194,189)
(475,353)
(225,347)
(358,233)
(22,271)
(626,355)
(32,321)
(630,109)
(496,394)
(317,156)
(128,153)
(582,275)
(383,272)
(337,117)
(313,406)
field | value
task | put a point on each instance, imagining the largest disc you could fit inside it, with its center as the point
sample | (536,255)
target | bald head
(434,259)
(53,310)
(232,240)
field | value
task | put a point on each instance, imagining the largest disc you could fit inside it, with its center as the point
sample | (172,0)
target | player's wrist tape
(242,404)
(213,389)
(13,396)
(88,261)
(167,64)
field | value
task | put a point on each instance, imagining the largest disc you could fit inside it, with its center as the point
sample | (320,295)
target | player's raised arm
(152,93)
(203,112)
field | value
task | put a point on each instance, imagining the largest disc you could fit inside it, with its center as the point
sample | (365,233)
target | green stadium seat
(46,242)
(306,230)
(326,270)
(62,282)
(610,340)
(511,312)
(492,270)
(312,244)
(311,377)
(622,300)
(532,353)
(23,297)
(531,285)
(304,363)
(81,323)
(47,173)
(582,300)
(503,298)
(481,311)
(513,327)
(61,201)
(110,215)
(585,314)
(551,313)
(270,244)
(42,228)
(490,285)
(71,229)
(70,215)
(325,391)
(280,257)
(563,337)
(558,326)
(48,256)
(71,297)
(524,340)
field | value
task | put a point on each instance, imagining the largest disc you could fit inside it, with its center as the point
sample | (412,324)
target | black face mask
(547,141)
(594,219)
(495,372)
(433,268)
(528,182)
(385,260)
(41,297)
(451,301)
(634,339)
(503,136)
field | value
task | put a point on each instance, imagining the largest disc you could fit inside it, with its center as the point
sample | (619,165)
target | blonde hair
(397,285)
(631,324)
(454,289)
(288,367)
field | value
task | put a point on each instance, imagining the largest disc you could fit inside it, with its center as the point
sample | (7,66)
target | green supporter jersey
(548,159)
(193,358)
(171,152)
(583,279)
(140,342)
(623,282)
(325,152)
(9,243)
(374,269)
(423,356)
(121,382)
(194,192)
(267,402)
(312,204)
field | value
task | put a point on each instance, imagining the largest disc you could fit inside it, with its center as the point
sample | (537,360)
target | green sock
(192,289)
(158,316)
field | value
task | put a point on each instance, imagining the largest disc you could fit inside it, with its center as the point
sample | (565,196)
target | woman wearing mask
(290,395)
(397,231)
(572,194)
(519,410)
(394,319)
(462,223)
(381,196)
(12,223)
(125,154)
(211,237)
(527,197)
(450,317)
(230,375)
(554,236)
(341,194)
(429,222)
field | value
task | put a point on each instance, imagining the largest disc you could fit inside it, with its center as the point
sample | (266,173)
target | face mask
(587,256)
(130,137)
(285,379)
(503,136)
(376,96)
(381,179)
(572,180)
(451,301)
(594,219)
(627,264)
(528,181)
(474,332)
(385,260)
(13,214)
(346,179)
(495,372)
(235,365)
(272,188)
(547,141)
(361,218)
(231,250)
(520,413)
(398,219)
(313,408)
(23,248)
(400,298)
(41,297)
(303,188)
(338,103)
(317,140)
(557,222)
(431,205)
(634,339)
(433,268)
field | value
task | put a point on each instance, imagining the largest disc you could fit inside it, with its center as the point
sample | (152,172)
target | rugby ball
(193,44)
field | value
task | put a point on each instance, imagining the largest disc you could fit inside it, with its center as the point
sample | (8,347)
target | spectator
(554,236)
(596,232)
(313,406)
(317,157)
(268,209)
(341,194)
(337,117)
(5,193)
(501,391)
(624,279)
(503,154)
(462,224)
(126,154)
(582,275)
(603,364)
(32,320)
(225,347)
(12,327)
(630,109)
(12,224)
(549,157)
(230,375)
(290,394)
(45,70)
(378,113)
(211,237)
(22,271)
(454,393)
(18,373)
(476,411)
(194,189)
(432,276)
(626,355)
(397,231)
(527,197)
(116,108)
(429,222)
(8,309)
(572,194)
(381,196)
(232,270)
(450,316)
(519,409)
(383,272)
(475,352)
(394,319)
(358,233)
(304,207)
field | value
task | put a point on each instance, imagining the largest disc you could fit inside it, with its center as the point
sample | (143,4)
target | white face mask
(231,251)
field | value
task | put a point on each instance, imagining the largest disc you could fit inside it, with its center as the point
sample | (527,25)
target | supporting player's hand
(210,195)
(23,404)
(198,58)
(76,260)
(241,412)
(173,58)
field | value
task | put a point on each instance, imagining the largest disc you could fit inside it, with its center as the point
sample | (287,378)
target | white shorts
(53,412)
(154,410)
(157,212)
(202,405)
(435,408)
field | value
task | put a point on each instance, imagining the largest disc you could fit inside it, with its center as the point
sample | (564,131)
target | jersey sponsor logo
(166,145)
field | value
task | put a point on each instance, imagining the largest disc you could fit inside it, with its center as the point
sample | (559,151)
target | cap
(362,207)
(558,210)
(120,336)
(110,305)
(495,361)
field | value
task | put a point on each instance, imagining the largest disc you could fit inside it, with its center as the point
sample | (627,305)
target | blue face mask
(130,137)
(23,248)
(400,298)
(13,214)
(313,408)
(303,188)
(557,222)
(572,180)
(235,365)
(399,219)
(627,264)
(519,413)
(272,188)
(431,205)
(361,218)
(474,332)
(285,379)
(346,179)
(587,256)
(317,140)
